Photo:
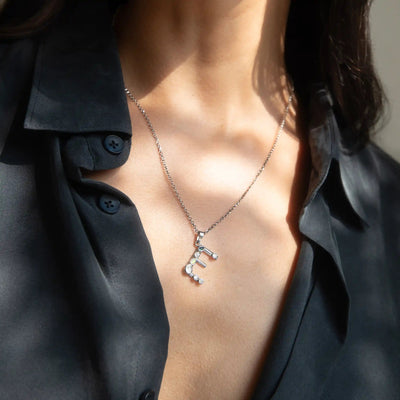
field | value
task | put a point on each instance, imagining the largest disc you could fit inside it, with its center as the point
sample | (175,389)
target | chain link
(171,181)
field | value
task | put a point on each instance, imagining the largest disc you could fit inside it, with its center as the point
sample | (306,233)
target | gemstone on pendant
(195,259)
(189,269)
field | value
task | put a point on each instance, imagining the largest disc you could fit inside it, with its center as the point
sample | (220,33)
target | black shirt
(82,314)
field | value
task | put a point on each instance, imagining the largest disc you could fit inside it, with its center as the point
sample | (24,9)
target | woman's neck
(225,52)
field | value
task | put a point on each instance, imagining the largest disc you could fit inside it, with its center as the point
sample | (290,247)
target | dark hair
(329,41)
(326,41)
(21,18)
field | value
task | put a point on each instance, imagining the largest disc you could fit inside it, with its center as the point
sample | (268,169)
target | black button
(113,144)
(109,204)
(148,395)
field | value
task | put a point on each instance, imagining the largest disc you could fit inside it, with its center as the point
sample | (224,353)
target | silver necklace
(199,235)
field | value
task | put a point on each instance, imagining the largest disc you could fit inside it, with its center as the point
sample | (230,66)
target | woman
(105,233)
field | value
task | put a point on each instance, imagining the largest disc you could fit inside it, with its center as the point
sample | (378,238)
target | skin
(211,76)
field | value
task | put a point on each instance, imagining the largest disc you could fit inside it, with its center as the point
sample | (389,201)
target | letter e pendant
(195,259)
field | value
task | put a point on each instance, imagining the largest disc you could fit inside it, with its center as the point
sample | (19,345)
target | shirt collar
(77,84)
(333,163)
(78,87)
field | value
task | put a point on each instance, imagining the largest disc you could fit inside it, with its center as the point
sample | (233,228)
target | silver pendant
(195,259)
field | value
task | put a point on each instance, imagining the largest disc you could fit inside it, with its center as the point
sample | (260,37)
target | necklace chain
(172,183)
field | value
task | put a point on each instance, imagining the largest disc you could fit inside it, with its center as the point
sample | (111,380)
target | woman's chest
(220,331)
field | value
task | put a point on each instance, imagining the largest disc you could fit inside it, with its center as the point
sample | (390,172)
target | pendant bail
(200,236)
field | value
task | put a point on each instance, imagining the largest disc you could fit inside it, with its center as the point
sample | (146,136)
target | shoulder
(382,169)
(371,181)
(385,165)
(13,53)
(380,181)
(17,60)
